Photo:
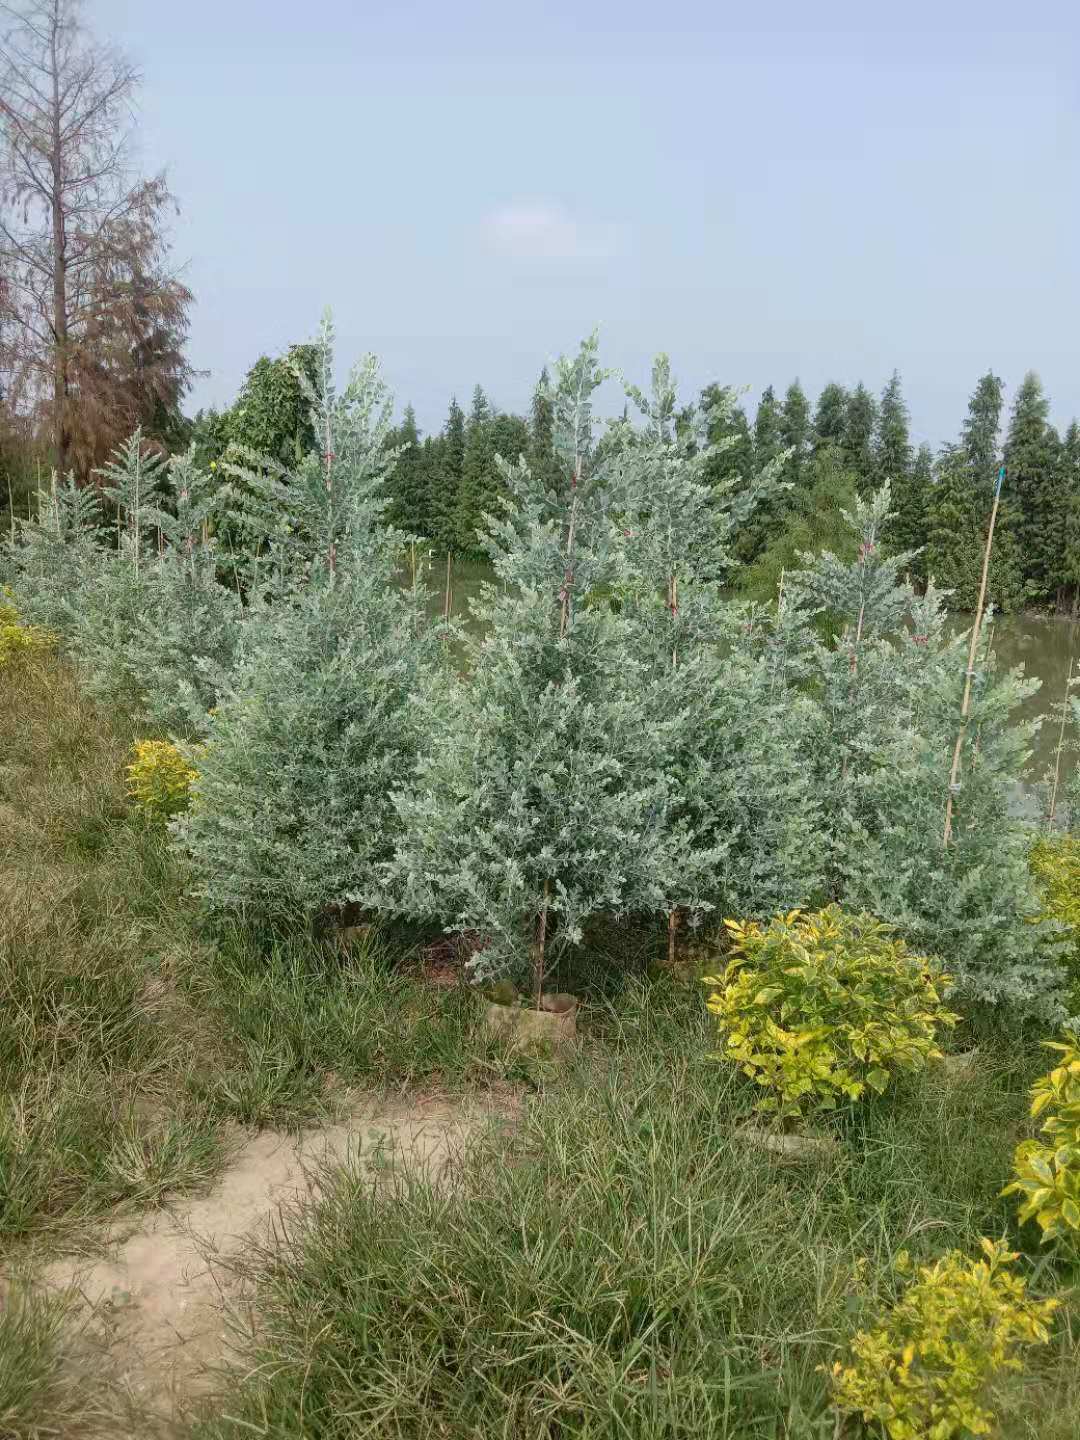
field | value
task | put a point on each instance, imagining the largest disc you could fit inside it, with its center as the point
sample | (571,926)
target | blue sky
(763,191)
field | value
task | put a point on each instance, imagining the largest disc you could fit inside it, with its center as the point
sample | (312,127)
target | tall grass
(628,1265)
(93,1051)
(39,1395)
(290,1015)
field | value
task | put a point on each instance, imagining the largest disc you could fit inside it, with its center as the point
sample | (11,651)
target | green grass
(628,1264)
(291,1015)
(39,1397)
(93,1049)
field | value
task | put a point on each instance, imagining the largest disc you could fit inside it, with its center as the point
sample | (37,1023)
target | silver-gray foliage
(887,685)
(318,724)
(540,799)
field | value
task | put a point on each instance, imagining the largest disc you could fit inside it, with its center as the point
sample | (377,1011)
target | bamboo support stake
(1060,747)
(965,705)
(978,732)
(541,945)
(447,601)
(11,507)
(568,578)
(328,461)
(673,914)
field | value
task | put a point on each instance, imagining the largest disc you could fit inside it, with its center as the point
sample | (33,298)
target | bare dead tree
(92,325)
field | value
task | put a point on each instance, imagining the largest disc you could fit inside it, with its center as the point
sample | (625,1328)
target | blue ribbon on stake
(1000,482)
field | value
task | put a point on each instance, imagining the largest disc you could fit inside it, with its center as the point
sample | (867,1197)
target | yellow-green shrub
(17,639)
(1048,1172)
(818,1008)
(924,1373)
(159,779)
(1055,863)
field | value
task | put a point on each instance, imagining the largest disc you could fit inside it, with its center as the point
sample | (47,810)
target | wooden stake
(568,578)
(978,732)
(446,604)
(673,913)
(965,704)
(541,944)
(11,507)
(1061,741)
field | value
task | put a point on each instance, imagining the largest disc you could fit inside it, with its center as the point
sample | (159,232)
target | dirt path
(160,1298)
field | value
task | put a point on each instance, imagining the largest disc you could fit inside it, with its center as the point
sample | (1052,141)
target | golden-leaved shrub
(17,639)
(159,779)
(1047,1172)
(924,1373)
(819,1008)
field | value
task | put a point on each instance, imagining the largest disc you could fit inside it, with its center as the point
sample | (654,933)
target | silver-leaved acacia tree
(318,724)
(541,799)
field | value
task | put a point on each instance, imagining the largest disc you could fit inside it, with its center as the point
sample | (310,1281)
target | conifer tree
(815,522)
(771,511)
(446,479)
(737,837)
(892,438)
(912,496)
(181,639)
(795,434)
(538,802)
(132,482)
(510,443)
(1032,456)
(408,486)
(767,441)
(888,689)
(55,553)
(319,723)
(478,463)
(541,446)
(959,511)
(830,417)
(860,423)
(727,432)
(893,465)
(143,620)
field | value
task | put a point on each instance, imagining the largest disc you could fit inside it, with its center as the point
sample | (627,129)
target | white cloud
(545,230)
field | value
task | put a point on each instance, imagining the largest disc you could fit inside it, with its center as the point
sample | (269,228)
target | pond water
(1046,647)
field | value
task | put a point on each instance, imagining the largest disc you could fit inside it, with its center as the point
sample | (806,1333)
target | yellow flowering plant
(819,1008)
(925,1372)
(159,779)
(1047,1172)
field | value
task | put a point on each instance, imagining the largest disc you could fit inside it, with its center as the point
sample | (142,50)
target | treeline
(847,445)
(441,485)
(852,442)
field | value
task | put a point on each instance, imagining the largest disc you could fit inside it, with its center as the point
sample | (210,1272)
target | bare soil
(154,1308)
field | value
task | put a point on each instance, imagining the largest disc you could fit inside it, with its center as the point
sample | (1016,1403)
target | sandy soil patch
(160,1296)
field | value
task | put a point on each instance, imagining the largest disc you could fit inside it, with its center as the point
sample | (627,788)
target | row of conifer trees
(850,443)
(615,736)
